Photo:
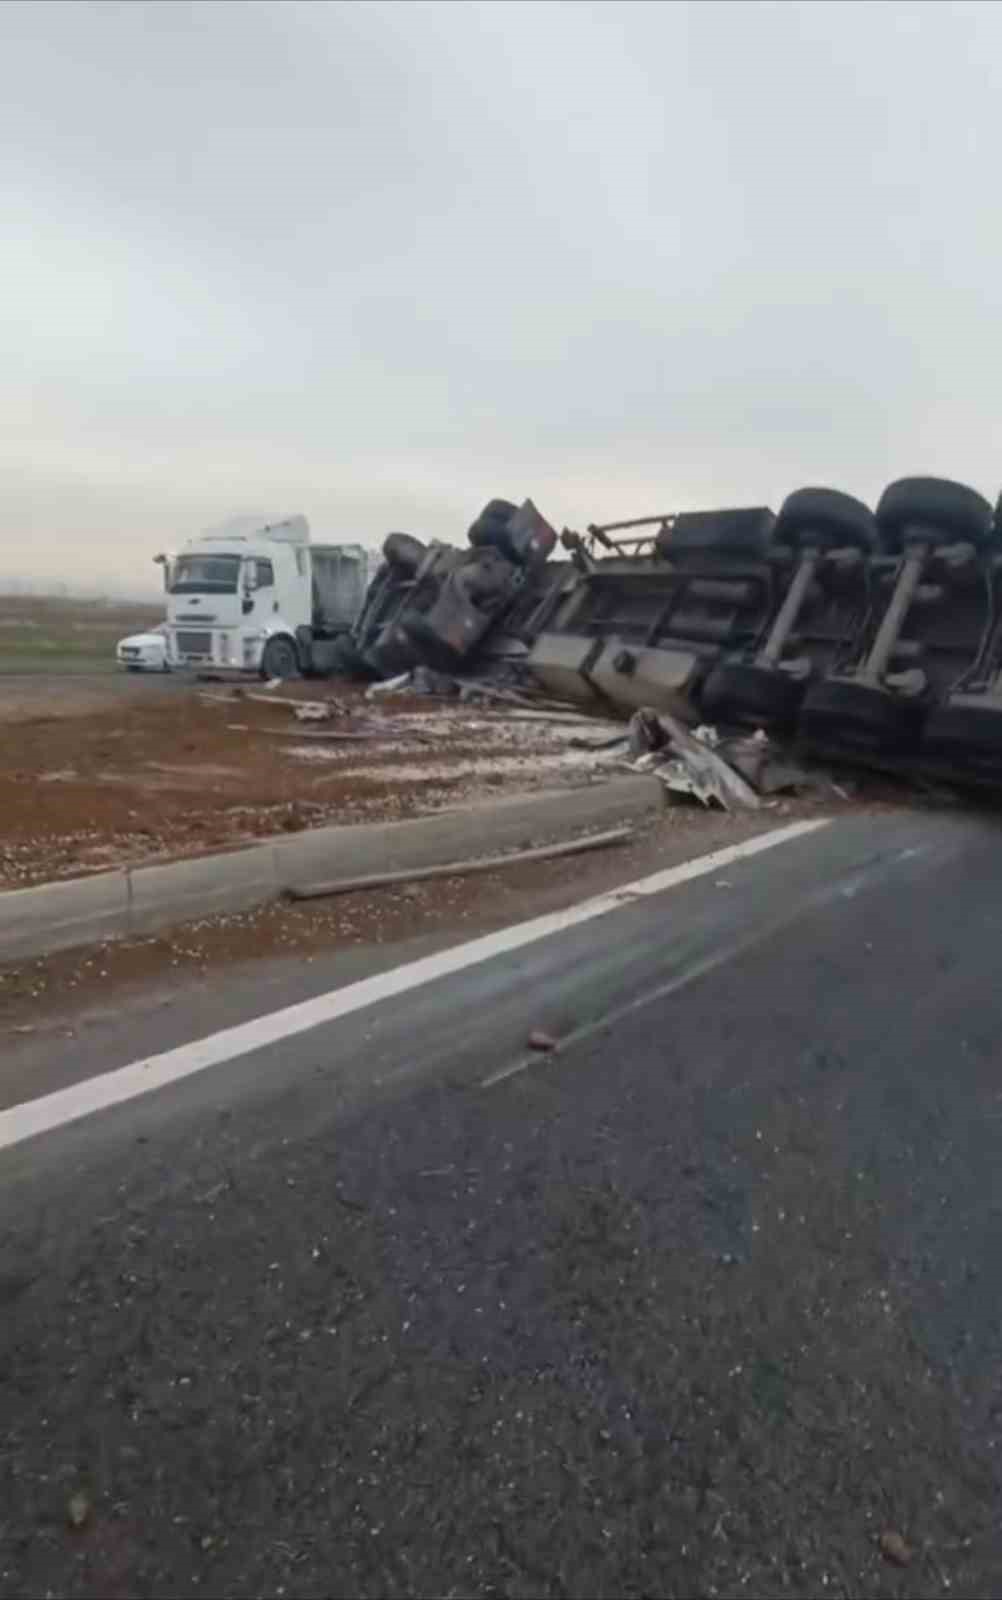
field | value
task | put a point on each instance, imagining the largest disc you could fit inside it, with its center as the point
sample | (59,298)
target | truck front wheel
(279,659)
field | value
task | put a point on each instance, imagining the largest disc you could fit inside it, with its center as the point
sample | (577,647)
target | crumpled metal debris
(318,710)
(421,681)
(764,764)
(734,773)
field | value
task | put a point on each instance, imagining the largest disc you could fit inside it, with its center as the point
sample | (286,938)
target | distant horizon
(18,587)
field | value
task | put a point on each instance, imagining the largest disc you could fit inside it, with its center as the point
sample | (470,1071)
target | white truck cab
(265,602)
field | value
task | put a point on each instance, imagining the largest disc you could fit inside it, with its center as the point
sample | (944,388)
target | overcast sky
(378,262)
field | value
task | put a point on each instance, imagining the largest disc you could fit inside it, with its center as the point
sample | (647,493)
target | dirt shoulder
(161,776)
(44,696)
(165,776)
(64,989)
(51,634)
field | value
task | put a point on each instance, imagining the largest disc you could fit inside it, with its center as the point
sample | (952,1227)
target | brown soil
(176,775)
(51,991)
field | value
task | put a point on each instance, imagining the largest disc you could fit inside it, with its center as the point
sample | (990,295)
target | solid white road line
(140,1077)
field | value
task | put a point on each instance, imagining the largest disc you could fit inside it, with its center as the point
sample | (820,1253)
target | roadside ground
(43,634)
(161,773)
(76,988)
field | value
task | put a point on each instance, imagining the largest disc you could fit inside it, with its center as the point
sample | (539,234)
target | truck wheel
(967,738)
(403,552)
(848,715)
(279,659)
(490,529)
(346,660)
(496,513)
(752,695)
(952,509)
(742,535)
(825,518)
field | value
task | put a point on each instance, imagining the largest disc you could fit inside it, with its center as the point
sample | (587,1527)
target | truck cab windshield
(205,575)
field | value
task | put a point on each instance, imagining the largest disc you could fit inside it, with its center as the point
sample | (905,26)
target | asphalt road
(703,1304)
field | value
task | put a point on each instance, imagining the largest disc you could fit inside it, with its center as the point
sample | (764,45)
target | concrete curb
(144,900)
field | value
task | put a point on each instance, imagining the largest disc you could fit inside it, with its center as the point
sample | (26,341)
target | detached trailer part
(931,526)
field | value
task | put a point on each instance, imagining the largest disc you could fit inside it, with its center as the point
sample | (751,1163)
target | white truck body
(261,603)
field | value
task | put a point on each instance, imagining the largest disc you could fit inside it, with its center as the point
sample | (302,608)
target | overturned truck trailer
(871,636)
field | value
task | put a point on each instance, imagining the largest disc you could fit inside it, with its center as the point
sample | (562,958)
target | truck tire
(403,552)
(280,659)
(752,695)
(347,661)
(490,530)
(966,738)
(844,714)
(740,535)
(827,519)
(497,511)
(952,509)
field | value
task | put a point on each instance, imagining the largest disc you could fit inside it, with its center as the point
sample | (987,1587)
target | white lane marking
(699,969)
(141,1077)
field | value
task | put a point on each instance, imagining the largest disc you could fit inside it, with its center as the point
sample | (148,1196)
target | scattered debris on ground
(582,845)
(739,772)
(78,1510)
(38,993)
(894,1548)
(499,667)
(184,776)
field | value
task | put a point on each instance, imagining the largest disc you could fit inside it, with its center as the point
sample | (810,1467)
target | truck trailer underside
(865,636)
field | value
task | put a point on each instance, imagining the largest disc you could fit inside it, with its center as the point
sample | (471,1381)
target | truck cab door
(259,587)
(266,587)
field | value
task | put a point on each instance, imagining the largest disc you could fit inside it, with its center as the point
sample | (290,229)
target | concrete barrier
(144,900)
(516,822)
(181,891)
(56,916)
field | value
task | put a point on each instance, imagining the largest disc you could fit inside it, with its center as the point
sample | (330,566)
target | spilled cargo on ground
(866,636)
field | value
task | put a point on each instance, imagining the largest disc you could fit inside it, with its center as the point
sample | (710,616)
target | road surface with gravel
(705,1302)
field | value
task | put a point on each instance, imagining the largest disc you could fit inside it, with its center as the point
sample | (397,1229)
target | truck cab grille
(194,644)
